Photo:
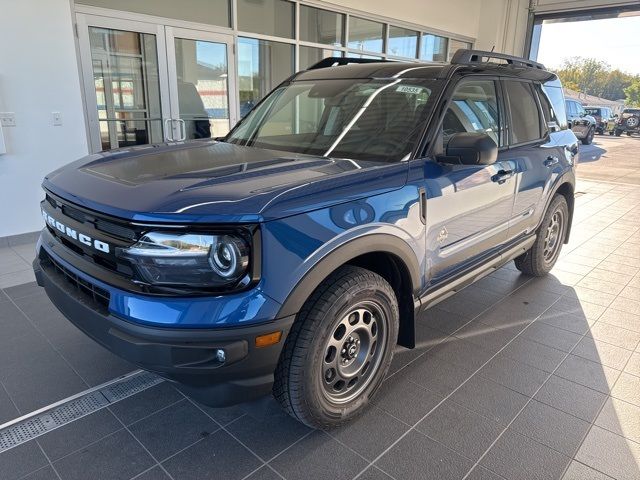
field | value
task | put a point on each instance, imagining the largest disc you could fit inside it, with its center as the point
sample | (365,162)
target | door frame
(171,33)
(166,62)
(84,21)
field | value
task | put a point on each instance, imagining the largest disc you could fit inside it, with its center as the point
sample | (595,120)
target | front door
(148,83)
(200,83)
(468,206)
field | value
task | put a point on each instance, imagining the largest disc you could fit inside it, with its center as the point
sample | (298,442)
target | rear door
(537,159)
(468,206)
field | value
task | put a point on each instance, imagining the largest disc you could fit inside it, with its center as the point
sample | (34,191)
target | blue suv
(294,254)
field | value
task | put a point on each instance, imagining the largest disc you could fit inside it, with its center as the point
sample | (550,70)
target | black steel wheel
(339,349)
(543,254)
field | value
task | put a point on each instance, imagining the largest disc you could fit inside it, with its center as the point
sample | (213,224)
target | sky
(615,41)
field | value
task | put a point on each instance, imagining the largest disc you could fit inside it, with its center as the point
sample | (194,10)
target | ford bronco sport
(294,254)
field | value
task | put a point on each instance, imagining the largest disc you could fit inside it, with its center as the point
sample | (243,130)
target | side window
(552,118)
(525,116)
(571,108)
(473,108)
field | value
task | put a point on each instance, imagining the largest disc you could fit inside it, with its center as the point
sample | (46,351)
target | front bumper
(186,356)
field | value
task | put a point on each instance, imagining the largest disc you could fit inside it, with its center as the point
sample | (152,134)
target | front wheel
(618,133)
(339,349)
(543,254)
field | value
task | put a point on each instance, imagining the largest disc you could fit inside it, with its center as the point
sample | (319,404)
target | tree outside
(596,77)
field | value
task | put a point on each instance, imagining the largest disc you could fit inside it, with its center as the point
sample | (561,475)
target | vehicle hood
(209,181)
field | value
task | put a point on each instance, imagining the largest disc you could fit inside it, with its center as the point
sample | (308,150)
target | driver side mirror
(471,148)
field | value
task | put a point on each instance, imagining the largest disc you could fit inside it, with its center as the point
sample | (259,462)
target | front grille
(98,296)
(107,226)
(96,226)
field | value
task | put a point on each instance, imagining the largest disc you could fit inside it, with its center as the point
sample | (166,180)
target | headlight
(191,259)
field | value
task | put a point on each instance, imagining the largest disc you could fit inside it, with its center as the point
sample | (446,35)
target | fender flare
(376,242)
(561,180)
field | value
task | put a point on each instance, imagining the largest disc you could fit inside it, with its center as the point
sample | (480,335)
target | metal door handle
(551,161)
(183,129)
(502,176)
(168,127)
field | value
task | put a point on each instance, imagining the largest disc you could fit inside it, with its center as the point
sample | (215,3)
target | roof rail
(335,61)
(469,57)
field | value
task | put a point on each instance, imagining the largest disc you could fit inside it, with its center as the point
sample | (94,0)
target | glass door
(200,82)
(126,91)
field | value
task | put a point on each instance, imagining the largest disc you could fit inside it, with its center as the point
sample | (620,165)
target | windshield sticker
(409,89)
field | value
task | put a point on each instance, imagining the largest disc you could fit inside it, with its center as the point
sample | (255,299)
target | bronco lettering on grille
(75,235)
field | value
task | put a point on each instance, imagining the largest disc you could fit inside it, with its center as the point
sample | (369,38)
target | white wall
(38,75)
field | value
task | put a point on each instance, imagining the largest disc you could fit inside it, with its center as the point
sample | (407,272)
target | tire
(628,133)
(618,133)
(543,254)
(611,133)
(589,138)
(346,330)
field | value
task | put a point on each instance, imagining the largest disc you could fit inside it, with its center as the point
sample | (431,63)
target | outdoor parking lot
(513,378)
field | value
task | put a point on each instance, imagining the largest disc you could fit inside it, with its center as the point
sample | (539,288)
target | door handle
(551,161)
(183,129)
(168,127)
(502,176)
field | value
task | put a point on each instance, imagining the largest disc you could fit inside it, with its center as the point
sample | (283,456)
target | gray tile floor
(513,378)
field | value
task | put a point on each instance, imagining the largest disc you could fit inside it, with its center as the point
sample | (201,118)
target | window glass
(554,120)
(473,108)
(310,55)
(525,116)
(212,12)
(321,26)
(455,45)
(402,42)
(262,65)
(346,118)
(127,86)
(269,17)
(433,48)
(365,34)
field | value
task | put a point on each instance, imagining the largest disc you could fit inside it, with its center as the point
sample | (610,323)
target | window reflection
(125,72)
(262,65)
(433,48)
(268,17)
(320,26)
(402,42)
(203,94)
(365,34)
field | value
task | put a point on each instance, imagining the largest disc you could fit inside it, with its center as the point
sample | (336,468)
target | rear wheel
(589,138)
(339,349)
(543,254)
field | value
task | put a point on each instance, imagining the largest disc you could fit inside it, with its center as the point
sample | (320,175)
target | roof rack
(335,61)
(470,57)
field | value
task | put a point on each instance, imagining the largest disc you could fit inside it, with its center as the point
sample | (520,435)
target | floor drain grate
(38,423)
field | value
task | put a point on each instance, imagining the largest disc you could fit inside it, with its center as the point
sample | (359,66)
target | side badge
(442,236)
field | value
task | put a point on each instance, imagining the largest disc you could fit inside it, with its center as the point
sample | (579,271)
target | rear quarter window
(554,94)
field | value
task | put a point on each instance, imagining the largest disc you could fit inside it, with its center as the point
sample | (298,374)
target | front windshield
(347,118)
